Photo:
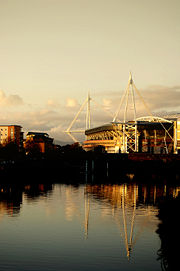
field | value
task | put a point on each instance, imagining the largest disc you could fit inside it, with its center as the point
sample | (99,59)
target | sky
(53,52)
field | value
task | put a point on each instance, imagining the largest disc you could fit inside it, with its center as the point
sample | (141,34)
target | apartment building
(11,133)
(42,140)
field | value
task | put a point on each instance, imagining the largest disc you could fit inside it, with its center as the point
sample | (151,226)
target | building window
(12,134)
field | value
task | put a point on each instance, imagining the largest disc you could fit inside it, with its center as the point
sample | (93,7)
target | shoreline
(92,167)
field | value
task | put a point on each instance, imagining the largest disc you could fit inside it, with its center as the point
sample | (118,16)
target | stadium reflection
(135,213)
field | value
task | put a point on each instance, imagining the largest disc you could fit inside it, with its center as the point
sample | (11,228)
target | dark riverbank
(92,167)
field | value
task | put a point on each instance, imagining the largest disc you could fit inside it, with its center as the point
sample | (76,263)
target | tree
(32,149)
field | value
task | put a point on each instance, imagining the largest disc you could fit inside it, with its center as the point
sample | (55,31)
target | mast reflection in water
(88,227)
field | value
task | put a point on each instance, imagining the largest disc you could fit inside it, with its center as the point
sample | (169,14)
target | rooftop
(37,134)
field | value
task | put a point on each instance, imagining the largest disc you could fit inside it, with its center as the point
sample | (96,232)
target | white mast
(88,119)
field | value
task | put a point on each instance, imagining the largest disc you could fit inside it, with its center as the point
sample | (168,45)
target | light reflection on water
(85,227)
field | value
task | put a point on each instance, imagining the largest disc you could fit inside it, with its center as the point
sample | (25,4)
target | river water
(87,227)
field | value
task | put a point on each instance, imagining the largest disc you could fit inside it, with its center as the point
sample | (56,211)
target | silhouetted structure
(168,231)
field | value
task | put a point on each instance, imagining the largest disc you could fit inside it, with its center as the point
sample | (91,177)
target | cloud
(41,120)
(71,103)
(162,97)
(57,132)
(52,103)
(45,120)
(55,120)
(11,100)
(157,98)
(107,103)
